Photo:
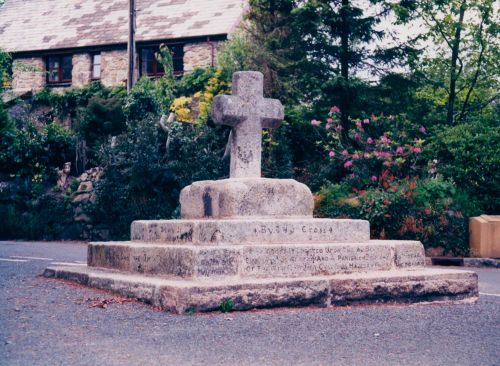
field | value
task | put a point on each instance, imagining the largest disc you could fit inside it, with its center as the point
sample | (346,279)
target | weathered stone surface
(312,260)
(407,253)
(245,295)
(404,286)
(85,187)
(114,66)
(247,112)
(28,74)
(251,231)
(203,54)
(401,286)
(253,261)
(246,197)
(166,260)
(84,197)
(82,218)
(81,73)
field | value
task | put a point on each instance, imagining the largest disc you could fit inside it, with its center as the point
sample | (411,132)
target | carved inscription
(217,263)
(170,233)
(142,262)
(113,257)
(295,261)
(291,229)
(303,231)
(252,231)
(409,258)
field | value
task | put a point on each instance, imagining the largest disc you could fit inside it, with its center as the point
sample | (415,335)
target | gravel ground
(50,322)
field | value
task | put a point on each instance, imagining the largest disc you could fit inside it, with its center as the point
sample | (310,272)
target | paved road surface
(49,322)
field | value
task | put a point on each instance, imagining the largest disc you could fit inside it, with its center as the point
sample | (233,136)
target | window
(151,67)
(59,69)
(178,58)
(96,66)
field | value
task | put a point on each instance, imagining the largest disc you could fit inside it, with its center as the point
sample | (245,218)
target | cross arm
(227,110)
(271,113)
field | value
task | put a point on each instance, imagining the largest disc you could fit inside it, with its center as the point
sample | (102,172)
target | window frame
(157,69)
(60,69)
(92,64)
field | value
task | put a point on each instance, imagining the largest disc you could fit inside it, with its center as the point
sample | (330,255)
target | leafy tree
(311,50)
(469,153)
(461,75)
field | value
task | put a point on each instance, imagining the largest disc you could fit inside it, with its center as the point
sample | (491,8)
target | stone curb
(465,262)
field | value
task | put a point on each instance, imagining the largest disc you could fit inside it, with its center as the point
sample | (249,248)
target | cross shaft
(247,112)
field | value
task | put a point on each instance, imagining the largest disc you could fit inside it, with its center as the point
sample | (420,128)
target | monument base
(246,198)
(181,296)
(196,265)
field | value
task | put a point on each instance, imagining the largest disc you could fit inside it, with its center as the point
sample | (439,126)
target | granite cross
(247,112)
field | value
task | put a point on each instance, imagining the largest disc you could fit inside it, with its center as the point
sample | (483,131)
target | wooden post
(131,46)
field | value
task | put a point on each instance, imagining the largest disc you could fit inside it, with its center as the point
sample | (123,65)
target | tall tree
(464,47)
(312,49)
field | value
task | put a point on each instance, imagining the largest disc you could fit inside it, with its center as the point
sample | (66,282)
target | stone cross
(247,112)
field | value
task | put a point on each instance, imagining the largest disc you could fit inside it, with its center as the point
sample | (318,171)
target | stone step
(251,231)
(181,296)
(255,261)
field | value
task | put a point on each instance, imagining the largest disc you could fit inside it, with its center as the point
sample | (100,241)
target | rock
(82,198)
(85,187)
(82,218)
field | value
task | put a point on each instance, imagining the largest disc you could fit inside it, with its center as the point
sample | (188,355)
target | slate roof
(34,25)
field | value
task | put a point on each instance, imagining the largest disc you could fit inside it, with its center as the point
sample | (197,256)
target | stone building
(69,43)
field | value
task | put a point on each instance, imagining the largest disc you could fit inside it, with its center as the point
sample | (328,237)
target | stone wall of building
(200,55)
(81,74)
(28,74)
(114,65)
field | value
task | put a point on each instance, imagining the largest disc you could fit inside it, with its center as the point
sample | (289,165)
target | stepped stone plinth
(255,241)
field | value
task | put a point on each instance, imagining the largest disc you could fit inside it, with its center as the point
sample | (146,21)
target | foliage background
(414,150)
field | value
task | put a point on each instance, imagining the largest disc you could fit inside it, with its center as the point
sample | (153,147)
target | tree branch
(478,70)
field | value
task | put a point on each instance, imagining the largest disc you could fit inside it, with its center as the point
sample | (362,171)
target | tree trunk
(478,69)
(344,69)
(453,67)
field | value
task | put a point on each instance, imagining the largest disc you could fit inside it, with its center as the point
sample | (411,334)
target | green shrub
(469,154)
(226,305)
(47,217)
(433,211)
(142,181)
(142,100)
(7,140)
(37,150)
(100,119)
(69,102)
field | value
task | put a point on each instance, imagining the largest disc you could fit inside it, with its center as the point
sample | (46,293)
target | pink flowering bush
(379,145)
(386,180)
